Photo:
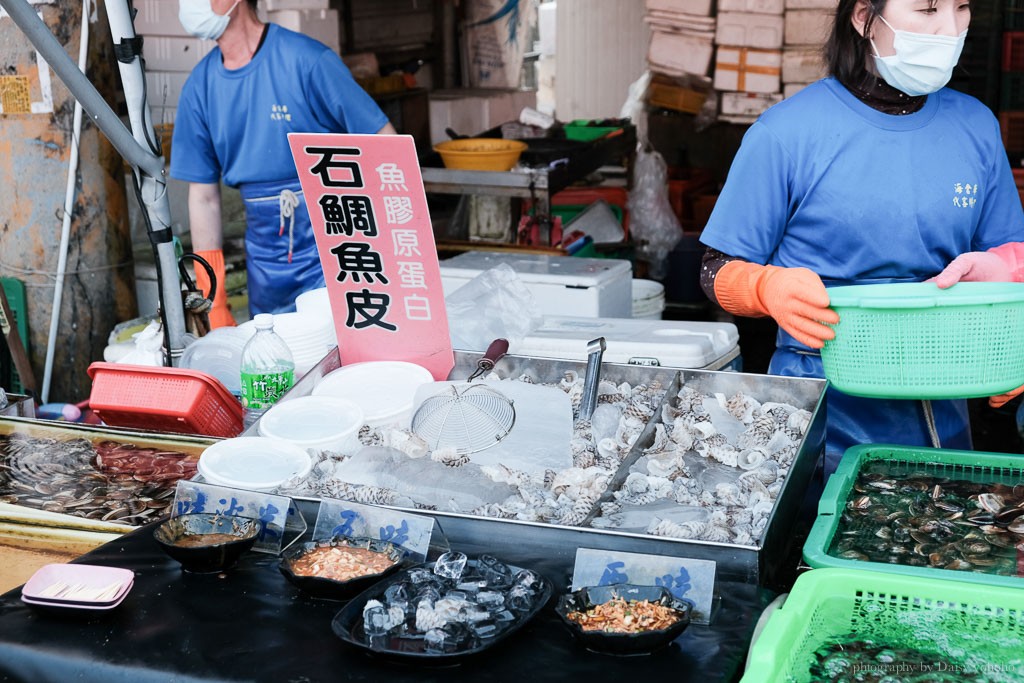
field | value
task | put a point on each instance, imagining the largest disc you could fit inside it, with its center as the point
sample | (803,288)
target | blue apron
(281,259)
(853,420)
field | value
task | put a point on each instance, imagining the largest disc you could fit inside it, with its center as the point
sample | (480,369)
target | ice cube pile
(454,606)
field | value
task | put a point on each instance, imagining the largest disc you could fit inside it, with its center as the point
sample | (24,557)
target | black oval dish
(623,643)
(348,625)
(339,590)
(208,558)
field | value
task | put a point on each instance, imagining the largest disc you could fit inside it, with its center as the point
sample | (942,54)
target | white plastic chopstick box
(561,285)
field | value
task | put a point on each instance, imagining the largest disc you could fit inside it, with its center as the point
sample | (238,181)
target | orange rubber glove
(220,314)
(795,297)
(1003,399)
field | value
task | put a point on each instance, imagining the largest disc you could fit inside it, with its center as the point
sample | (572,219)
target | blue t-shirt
(235,123)
(826,182)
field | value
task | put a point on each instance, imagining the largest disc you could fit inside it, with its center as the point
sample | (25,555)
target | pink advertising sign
(369,214)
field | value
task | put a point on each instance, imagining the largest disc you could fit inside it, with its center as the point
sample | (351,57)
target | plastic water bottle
(268,370)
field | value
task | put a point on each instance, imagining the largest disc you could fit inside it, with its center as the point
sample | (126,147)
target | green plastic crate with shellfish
(855,625)
(913,340)
(923,512)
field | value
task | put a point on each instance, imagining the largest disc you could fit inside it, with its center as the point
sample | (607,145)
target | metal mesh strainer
(468,418)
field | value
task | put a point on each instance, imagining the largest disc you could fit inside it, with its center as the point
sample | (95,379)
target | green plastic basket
(916,341)
(980,628)
(581,129)
(975,466)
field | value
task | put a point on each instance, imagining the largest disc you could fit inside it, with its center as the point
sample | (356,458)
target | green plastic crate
(973,465)
(981,627)
(14,290)
(914,340)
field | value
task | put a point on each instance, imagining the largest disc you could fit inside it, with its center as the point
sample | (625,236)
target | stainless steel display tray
(755,564)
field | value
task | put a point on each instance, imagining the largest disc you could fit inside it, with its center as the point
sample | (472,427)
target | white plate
(256,463)
(385,390)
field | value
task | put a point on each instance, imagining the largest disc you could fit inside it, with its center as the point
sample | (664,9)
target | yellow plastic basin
(480,154)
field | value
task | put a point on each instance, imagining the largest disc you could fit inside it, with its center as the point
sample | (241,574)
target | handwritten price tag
(687,579)
(354,520)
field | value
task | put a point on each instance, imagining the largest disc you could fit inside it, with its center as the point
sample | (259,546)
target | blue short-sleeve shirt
(824,181)
(234,123)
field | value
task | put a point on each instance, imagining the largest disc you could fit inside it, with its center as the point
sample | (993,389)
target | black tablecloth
(251,624)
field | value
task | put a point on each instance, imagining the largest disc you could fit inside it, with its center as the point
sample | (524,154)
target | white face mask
(923,63)
(199,19)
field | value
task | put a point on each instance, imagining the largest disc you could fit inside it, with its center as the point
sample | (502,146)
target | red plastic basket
(163,399)
(1013,51)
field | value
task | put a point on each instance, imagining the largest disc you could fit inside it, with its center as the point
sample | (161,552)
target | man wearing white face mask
(234,115)
(876,174)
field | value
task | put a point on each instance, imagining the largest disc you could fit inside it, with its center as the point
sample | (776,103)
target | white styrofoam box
(546,28)
(173,53)
(698,7)
(470,111)
(275,5)
(802,65)
(748,69)
(163,88)
(756,6)
(743,29)
(669,21)
(561,285)
(811,4)
(668,343)
(808,26)
(680,52)
(747,103)
(790,89)
(319,24)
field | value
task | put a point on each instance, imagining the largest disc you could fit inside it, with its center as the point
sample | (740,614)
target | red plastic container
(163,399)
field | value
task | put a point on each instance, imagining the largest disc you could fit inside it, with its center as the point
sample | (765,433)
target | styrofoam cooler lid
(670,343)
(570,271)
(314,301)
(385,390)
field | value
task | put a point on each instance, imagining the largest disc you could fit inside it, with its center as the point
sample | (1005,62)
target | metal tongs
(495,352)
(595,350)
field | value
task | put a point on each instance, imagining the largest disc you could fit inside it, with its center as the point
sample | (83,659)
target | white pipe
(69,203)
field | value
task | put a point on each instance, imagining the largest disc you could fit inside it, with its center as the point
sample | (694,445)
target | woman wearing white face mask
(233,119)
(875,174)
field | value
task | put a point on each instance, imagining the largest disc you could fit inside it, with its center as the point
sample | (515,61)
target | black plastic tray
(348,624)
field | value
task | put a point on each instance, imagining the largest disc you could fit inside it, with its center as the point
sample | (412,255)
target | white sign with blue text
(687,579)
(352,520)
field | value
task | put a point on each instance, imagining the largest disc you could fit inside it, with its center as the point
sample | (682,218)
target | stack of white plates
(309,337)
(316,302)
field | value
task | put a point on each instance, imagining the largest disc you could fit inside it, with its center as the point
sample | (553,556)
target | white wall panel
(601,47)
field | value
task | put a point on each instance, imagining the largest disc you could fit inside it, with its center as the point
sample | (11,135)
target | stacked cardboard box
(680,52)
(807,24)
(748,65)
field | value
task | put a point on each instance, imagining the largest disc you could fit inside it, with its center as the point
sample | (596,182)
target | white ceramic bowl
(321,423)
(255,463)
(385,390)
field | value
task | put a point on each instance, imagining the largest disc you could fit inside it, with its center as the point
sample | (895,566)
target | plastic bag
(148,347)
(653,224)
(635,106)
(493,305)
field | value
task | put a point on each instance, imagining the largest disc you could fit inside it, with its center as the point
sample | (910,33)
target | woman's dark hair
(252,4)
(846,51)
